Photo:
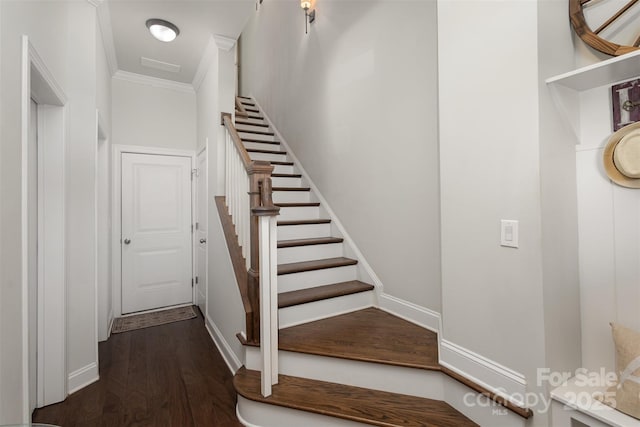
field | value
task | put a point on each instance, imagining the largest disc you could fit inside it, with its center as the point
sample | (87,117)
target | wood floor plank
(165,376)
(352,403)
(370,335)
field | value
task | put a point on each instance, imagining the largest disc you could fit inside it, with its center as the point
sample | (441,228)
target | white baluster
(268,303)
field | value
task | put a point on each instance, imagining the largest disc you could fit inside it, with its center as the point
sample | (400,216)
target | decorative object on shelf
(594,38)
(622,156)
(625,98)
(309,16)
(627,387)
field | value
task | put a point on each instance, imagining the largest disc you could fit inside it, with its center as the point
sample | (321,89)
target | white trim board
(413,313)
(491,375)
(153,81)
(39,83)
(104,22)
(230,358)
(116,226)
(82,377)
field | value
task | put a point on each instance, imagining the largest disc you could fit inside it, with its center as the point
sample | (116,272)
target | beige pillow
(627,390)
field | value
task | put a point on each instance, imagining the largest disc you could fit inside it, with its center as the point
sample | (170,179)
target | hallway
(169,375)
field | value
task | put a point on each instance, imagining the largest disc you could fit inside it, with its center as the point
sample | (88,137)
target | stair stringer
(413,313)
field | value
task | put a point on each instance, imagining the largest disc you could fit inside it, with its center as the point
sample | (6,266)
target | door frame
(116,203)
(202,151)
(40,84)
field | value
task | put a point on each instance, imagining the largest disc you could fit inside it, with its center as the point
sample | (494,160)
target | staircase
(315,278)
(342,361)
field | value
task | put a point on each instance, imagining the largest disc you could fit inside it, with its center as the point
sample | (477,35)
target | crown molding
(205,63)
(224,43)
(104,22)
(153,81)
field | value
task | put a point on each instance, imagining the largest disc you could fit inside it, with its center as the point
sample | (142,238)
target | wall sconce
(309,16)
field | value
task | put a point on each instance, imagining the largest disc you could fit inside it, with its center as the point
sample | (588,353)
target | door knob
(203,240)
(127,241)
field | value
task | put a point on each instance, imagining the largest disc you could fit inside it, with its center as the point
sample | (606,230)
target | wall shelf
(612,70)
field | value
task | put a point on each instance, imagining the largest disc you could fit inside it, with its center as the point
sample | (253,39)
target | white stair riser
(243,127)
(306,231)
(256,136)
(310,279)
(376,376)
(305,313)
(262,146)
(309,253)
(268,157)
(255,414)
(299,212)
(291,196)
(282,169)
(286,182)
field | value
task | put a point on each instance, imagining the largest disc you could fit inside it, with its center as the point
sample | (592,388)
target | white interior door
(156,231)
(201,233)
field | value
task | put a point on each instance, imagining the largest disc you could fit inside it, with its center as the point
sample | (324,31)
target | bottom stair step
(303,296)
(351,403)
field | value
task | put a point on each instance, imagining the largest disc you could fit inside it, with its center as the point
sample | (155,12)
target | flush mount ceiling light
(162,30)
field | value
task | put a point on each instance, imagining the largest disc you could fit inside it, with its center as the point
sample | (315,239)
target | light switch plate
(509,233)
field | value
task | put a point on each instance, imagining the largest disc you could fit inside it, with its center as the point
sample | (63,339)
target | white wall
(224,307)
(103,86)
(490,171)
(145,115)
(507,155)
(63,33)
(356,99)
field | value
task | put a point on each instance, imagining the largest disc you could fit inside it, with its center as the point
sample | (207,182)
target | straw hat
(622,156)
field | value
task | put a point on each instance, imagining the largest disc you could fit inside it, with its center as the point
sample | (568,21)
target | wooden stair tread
(253,110)
(281,163)
(303,222)
(318,293)
(309,242)
(244,97)
(369,335)
(257,132)
(242,122)
(297,205)
(291,188)
(260,150)
(319,264)
(351,403)
(260,141)
(286,175)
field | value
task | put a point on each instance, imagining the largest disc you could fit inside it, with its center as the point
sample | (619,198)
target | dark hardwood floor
(170,375)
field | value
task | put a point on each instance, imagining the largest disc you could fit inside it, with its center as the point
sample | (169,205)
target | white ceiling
(198,21)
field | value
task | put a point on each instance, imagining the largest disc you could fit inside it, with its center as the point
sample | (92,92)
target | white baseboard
(110,320)
(485,372)
(411,312)
(82,377)
(225,350)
